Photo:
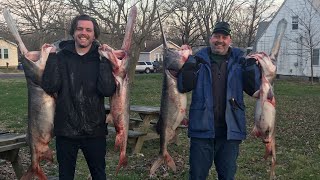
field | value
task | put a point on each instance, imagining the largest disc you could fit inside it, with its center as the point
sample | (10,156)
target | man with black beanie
(217,76)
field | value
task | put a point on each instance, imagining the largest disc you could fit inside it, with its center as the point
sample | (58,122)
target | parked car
(144,66)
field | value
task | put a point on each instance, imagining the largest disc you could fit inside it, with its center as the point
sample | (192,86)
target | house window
(295,20)
(158,57)
(4,53)
(315,57)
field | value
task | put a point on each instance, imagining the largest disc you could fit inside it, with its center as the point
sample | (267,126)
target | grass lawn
(297,138)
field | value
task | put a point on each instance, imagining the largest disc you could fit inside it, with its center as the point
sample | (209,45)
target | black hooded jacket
(81,83)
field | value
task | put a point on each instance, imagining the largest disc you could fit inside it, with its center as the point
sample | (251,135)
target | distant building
(294,58)
(153,51)
(8,53)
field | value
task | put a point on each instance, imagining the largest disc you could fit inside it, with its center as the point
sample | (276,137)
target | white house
(153,51)
(8,53)
(295,56)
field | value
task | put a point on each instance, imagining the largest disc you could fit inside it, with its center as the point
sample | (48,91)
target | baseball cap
(222,27)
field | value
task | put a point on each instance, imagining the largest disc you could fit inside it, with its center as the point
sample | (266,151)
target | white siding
(144,57)
(293,58)
(12,59)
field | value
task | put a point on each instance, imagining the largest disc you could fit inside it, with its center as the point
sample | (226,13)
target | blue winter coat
(240,77)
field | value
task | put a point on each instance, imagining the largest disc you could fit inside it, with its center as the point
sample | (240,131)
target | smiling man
(217,76)
(81,79)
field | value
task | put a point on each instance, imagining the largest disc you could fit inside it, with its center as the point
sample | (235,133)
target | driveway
(11,75)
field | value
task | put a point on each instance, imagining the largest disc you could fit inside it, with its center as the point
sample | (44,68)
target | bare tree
(308,34)
(35,18)
(204,13)
(209,12)
(181,21)
(246,19)
(224,9)
(256,14)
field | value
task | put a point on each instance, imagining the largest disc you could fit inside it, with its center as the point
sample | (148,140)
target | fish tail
(123,161)
(34,170)
(273,159)
(14,30)
(281,27)
(163,158)
(156,164)
(27,175)
(271,151)
(165,45)
(272,170)
(169,161)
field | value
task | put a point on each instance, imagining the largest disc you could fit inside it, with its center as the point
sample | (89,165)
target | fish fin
(156,164)
(185,122)
(270,95)
(47,155)
(255,132)
(268,151)
(169,161)
(256,94)
(109,119)
(117,142)
(31,71)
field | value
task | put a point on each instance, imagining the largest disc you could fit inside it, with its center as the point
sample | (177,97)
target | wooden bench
(148,115)
(10,145)
(131,134)
(139,120)
(136,121)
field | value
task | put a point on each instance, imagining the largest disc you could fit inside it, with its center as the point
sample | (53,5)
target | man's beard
(83,46)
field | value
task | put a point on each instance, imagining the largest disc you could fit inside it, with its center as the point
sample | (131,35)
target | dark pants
(94,151)
(223,152)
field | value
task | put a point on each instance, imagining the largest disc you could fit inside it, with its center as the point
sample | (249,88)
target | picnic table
(143,126)
(10,145)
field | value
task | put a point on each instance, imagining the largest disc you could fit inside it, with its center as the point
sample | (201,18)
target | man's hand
(53,48)
(105,47)
(191,63)
(251,61)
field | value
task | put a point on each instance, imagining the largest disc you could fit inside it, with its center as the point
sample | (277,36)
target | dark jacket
(81,83)
(196,75)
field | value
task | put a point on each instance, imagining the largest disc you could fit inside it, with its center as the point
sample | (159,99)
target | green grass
(297,138)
